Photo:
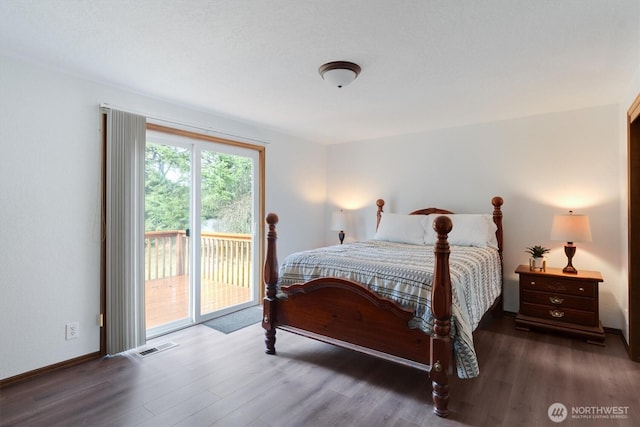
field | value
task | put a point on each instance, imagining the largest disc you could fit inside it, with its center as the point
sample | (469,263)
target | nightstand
(553,300)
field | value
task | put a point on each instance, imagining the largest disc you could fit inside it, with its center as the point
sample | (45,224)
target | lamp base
(569,251)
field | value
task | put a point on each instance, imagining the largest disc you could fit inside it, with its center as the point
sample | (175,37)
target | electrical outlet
(72,330)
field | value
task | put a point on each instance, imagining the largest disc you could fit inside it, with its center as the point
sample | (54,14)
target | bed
(402,296)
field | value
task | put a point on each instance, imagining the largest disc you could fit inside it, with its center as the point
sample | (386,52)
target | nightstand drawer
(556,285)
(558,300)
(560,314)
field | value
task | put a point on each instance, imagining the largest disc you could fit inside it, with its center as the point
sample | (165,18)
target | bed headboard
(497,202)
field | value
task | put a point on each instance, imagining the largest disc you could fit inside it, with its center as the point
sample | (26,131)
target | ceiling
(426,64)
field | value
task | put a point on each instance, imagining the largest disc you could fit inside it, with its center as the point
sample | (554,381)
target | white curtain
(125,231)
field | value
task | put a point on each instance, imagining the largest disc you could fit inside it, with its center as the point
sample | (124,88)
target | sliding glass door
(202,201)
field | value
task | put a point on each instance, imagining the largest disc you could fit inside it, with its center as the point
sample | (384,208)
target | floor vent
(153,350)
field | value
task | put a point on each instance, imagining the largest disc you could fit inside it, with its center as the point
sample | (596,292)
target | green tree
(226,190)
(167,183)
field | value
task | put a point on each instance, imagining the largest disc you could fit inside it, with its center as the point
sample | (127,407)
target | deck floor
(167,299)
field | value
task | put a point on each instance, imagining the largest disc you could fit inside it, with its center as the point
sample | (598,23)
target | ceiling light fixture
(339,73)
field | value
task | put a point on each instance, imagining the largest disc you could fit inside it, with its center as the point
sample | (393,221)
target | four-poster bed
(352,311)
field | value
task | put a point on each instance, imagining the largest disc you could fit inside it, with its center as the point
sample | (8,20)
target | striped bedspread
(404,273)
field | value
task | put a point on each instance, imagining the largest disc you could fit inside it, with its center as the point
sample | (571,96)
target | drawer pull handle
(556,300)
(556,313)
(581,289)
(533,283)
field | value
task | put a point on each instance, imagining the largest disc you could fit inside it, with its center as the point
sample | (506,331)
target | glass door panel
(226,224)
(167,216)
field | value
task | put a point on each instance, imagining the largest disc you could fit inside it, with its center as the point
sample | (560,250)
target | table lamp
(570,228)
(339,223)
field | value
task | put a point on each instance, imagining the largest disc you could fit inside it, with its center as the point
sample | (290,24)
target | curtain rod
(107,106)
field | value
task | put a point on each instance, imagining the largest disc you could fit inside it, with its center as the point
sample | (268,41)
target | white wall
(50,138)
(540,165)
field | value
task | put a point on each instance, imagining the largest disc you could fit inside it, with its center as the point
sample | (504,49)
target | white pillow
(430,235)
(401,228)
(468,230)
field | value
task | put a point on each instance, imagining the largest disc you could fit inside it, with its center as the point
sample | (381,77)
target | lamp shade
(339,220)
(571,228)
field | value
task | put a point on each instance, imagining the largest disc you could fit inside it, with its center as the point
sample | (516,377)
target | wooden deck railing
(166,254)
(225,257)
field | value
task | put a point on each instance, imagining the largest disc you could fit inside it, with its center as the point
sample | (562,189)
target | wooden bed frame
(348,314)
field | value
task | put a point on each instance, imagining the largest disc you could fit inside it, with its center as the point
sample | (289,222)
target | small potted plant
(537,252)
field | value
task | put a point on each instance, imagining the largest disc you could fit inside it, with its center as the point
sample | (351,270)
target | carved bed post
(497,220)
(270,280)
(380,205)
(441,349)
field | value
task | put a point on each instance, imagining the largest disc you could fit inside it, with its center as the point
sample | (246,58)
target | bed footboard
(349,315)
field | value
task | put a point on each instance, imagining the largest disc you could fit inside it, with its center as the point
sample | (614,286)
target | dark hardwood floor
(227,380)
